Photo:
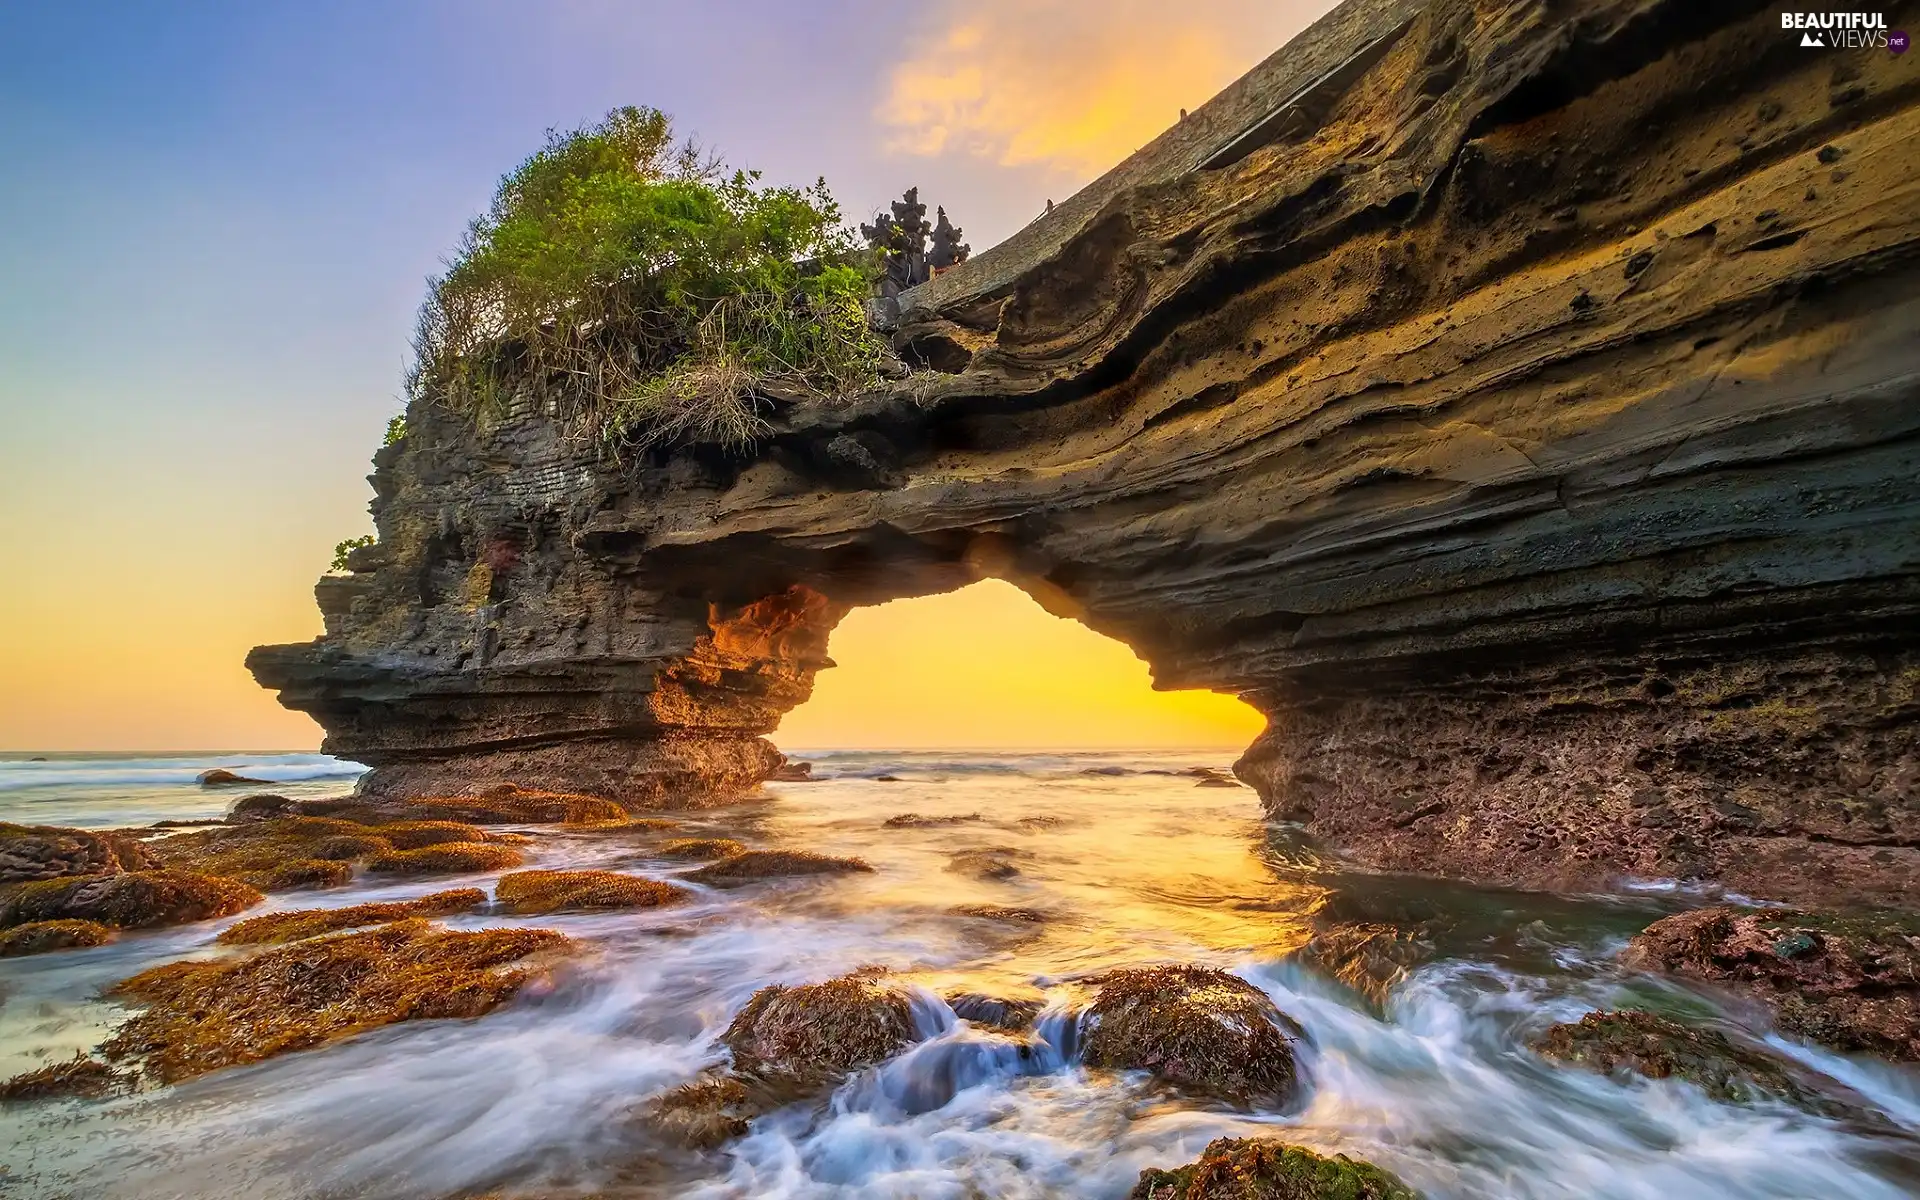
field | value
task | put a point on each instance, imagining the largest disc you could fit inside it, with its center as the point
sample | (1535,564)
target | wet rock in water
(1196,1028)
(535,892)
(911,820)
(221,777)
(1851,982)
(701,849)
(1653,1046)
(1009,1014)
(34,852)
(992,863)
(887,779)
(131,900)
(1212,777)
(411,835)
(1368,957)
(79,1077)
(40,937)
(281,927)
(774,864)
(707,1112)
(1269,1169)
(448,858)
(260,805)
(275,854)
(821,1031)
(202,1016)
(793,772)
(1000,912)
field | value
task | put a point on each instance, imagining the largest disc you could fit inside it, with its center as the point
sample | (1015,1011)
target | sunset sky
(215,224)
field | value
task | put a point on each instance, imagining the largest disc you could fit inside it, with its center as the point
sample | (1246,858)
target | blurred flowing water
(1126,861)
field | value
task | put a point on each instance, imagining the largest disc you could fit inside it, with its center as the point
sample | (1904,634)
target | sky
(216,220)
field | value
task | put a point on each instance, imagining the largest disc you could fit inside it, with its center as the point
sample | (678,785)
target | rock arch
(1534,436)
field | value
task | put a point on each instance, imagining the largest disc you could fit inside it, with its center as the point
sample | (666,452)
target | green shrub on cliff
(637,290)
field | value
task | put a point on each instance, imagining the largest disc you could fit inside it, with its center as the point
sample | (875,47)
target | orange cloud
(1071,84)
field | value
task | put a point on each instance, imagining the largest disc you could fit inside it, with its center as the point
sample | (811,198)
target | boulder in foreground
(821,1031)
(1196,1028)
(1852,983)
(1268,1169)
(131,900)
(202,1016)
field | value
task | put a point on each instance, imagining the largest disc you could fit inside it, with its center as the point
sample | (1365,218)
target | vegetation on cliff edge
(636,289)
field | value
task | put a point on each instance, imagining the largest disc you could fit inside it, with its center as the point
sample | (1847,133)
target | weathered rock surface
(1524,418)
(128,900)
(1850,982)
(1650,1045)
(30,852)
(1195,1028)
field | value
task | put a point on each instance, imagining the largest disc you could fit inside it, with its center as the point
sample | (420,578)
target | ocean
(1122,857)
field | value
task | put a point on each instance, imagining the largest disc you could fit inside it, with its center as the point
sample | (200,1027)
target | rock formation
(1517,402)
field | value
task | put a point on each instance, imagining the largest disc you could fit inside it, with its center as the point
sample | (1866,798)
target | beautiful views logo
(1842,30)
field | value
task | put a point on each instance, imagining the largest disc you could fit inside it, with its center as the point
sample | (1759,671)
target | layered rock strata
(1526,418)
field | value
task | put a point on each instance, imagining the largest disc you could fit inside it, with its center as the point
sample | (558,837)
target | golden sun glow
(1069,84)
(988,667)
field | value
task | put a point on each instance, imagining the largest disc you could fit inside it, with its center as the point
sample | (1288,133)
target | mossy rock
(202,1016)
(447,858)
(821,1031)
(1850,981)
(1269,1169)
(1653,1046)
(282,927)
(412,835)
(1001,912)
(711,1110)
(775,864)
(536,892)
(79,1077)
(131,900)
(1195,1028)
(505,804)
(701,849)
(1369,957)
(276,853)
(29,853)
(39,937)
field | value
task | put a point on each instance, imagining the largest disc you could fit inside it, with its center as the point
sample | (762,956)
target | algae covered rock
(1369,957)
(774,864)
(202,1016)
(707,1112)
(701,849)
(34,852)
(447,858)
(1196,1028)
(412,835)
(1851,982)
(131,900)
(1009,1014)
(79,1077)
(39,937)
(305,923)
(992,863)
(818,1031)
(503,804)
(1653,1046)
(534,892)
(274,854)
(1269,1169)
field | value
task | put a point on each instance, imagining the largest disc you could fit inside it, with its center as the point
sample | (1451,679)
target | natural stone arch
(1559,506)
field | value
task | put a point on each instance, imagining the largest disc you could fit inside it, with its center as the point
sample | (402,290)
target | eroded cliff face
(1533,434)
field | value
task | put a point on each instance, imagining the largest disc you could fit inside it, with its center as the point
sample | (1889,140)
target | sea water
(1127,860)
